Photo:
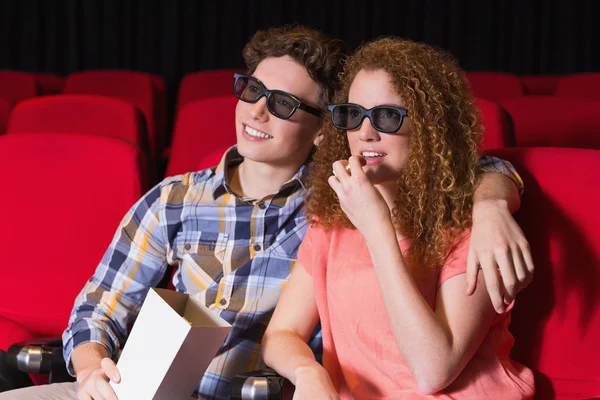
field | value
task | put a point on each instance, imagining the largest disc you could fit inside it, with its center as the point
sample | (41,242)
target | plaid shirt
(233,254)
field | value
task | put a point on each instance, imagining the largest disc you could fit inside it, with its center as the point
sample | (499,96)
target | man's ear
(318,137)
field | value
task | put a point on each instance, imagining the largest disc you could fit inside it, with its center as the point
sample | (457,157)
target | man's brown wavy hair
(320,54)
(435,189)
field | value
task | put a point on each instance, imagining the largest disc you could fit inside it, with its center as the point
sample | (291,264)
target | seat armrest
(39,356)
(11,378)
(261,385)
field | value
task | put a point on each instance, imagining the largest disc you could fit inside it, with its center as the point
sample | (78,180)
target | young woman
(383,264)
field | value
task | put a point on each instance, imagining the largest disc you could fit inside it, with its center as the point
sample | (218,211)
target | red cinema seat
(67,196)
(556,319)
(16,86)
(212,159)
(496,133)
(85,114)
(204,84)
(540,85)
(134,87)
(4,114)
(580,85)
(49,83)
(495,86)
(200,128)
(552,121)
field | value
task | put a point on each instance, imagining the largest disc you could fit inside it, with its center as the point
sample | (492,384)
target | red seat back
(580,85)
(556,320)
(16,86)
(212,159)
(555,121)
(495,86)
(201,127)
(134,87)
(86,114)
(203,84)
(66,196)
(497,133)
(540,85)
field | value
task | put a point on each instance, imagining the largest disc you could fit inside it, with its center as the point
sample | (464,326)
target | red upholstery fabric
(555,121)
(203,84)
(134,87)
(86,114)
(212,159)
(4,114)
(16,86)
(11,333)
(201,127)
(495,86)
(63,198)
(580,85)
(496,128)
(160,91)
(50,83)
(540,85)
(556,320)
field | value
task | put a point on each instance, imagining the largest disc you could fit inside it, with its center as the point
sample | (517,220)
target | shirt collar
(232,158)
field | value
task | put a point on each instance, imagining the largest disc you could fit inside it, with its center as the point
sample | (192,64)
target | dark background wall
(175,37)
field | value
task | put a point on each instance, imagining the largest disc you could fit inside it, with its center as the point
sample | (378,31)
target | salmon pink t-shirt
(359,349)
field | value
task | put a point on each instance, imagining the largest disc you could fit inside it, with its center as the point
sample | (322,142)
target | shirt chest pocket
(201,255)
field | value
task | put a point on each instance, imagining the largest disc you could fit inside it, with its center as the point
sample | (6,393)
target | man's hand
(94,381)
(500,248)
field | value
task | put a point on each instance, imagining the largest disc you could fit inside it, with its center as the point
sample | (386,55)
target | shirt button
(187,246)
(262,205)
(257,247)
(222,302)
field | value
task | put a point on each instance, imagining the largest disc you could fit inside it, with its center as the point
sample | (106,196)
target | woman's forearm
(286,352)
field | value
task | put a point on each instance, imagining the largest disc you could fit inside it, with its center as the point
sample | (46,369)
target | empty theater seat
(556,319)
(204,84)
(497,133)
(200,128)
(64,197)
(555,121)
(85,114)
(580,85)
(495,86)
(16,86)
(134,87)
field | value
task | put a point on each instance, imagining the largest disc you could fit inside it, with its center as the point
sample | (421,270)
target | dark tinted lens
(346,117)
(386,119)
(247,89)
(281,104)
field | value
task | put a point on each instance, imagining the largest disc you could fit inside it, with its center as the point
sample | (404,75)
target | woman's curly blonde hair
(435,189)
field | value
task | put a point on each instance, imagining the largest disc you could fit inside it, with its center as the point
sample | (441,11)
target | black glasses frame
(264,92)
(368,113)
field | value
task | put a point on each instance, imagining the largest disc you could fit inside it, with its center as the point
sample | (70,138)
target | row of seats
(493,86)
(497,86)
(56,234)
(524,122)
(148,92)
(123,102)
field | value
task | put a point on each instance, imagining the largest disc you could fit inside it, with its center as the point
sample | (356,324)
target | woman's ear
(318,137)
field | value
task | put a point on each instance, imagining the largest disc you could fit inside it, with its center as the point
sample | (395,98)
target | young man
(233,231)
